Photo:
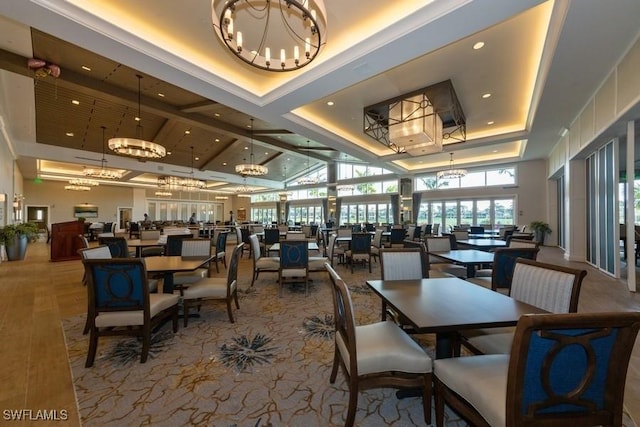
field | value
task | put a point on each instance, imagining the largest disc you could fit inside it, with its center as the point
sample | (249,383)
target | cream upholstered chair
(221,246)
(563,369)
(122,305)
(220,288)
(193,248)
(376,243)
(261,263)
(375,355)
(553,288)
(441,244)
(333,250)
(514,242)
(98,252)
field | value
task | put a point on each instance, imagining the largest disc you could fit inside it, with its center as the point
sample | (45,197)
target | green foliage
(540,226)
(9,231)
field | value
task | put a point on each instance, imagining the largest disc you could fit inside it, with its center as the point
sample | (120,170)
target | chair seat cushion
(189,277)
(453,269)
(268,263)
(317,263)
(293,272)
(485,282)
(157,303)
(491,340)
(213,287)
(435,274)
(383,347)
(153,285)
(480,380)
(484,272)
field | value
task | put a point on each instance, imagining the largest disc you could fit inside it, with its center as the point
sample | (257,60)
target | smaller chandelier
(451,173)
(192,184)
(221,197)
(307,180)
(252,29)
(345,187)
(137,147)
(163,193)
(251,168)
(102,173)
(168,182)
(72,187)
(84,182)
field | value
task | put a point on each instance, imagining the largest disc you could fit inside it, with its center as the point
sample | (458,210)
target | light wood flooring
(37,293)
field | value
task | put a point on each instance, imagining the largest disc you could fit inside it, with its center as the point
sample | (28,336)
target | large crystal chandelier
(272,35)
(103,172)
(451,173)
(251,168)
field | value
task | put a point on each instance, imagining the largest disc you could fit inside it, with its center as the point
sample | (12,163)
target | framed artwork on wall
(85,211)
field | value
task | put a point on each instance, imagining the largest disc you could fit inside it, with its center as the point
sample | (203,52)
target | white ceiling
(541,62)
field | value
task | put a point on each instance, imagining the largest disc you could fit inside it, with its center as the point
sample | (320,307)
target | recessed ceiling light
(75,102)
(187,132)
(478,45)
(161,95)
(266,153)
(486,95)
(217,140)
(196,158)
(168,153)
(84,67)
(246,148)
(490,122)
(137,119)
(217,114)
(224,163)
(494,151)
(330,103)
(69,133)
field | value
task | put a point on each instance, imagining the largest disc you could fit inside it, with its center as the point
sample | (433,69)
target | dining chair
(513,242)
(411,231)
(498,277)
(563,369)
(375,355)
(360,249)
(134,230)
(173,246)
(217,288)
(553,288)
(261,263)
(333,250)
(294,264)
(443,244)
(117,245)
(271,236)
(397,237)
(98,252)
(149,234)
(193,248)
(376,243)
(220,255)
(151,250)
(122,305)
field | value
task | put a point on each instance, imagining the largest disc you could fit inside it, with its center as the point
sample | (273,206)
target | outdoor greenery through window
(491,213)
(487,178)
(349,171)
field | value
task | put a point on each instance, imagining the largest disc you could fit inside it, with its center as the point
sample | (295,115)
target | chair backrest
(344,232)
(331,247)
(306,230)
(361,243)
(149,234)
(377,238)
(427,229)
(476,229)
(83,240)
(174,244)
(255,246)
(522,243)
(196,247)
(283,228)
(461,234)
(345,323)
(271,236)
(504,261)
(119,284)
(551,287)
(238,234)
(570,369)
(107,227)
(98,252)
(403,263)
(117,245)
(411,231)
(294,254)
(232,270)
(295,235)
(221,243)
(397,236)
(436,229)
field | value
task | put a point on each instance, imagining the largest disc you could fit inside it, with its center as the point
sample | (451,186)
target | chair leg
(353,405)
(334,370)
(427,392)
(235,297)
(439,401)
(93,346)
(146,344)
(185,312)
(229,310)
(174,318)
(253,279)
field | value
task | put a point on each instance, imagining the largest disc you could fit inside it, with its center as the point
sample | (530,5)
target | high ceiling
(540,63)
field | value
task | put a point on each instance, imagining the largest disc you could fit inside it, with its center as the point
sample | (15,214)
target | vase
(17,248)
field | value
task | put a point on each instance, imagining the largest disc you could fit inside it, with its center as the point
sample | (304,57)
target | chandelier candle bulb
(307,46)
(267,56)
(296,54)
(283,58)
(239,41)
(230,29)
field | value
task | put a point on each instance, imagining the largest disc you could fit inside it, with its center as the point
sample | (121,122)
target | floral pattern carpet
(269,368)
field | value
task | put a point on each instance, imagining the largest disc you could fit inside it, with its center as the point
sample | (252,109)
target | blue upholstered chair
(294,263)
(360,249)
(499,277)
(120,303)
(563,370)
(117,245)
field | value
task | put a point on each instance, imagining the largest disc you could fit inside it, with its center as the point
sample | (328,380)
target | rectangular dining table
(482,244)
(446,306)
(470,258)
(167,265)
(312,246)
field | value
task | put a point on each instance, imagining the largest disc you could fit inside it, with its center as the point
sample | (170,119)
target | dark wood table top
(174,264)
(136,243)
(483,243)
(312,246)
(450,304)
(465,256)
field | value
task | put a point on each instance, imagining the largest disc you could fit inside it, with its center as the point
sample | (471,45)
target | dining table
(470,258)
(168,265)
(139,244)
(446,306)
(482,244)
(311,245)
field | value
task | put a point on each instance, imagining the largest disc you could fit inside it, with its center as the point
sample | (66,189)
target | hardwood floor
(37,293)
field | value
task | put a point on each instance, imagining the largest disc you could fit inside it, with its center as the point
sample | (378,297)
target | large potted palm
(15,238)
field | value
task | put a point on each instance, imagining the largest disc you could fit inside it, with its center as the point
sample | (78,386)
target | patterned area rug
(269,368)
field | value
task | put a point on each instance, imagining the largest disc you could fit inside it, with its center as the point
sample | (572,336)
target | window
(485,212)
(486,178)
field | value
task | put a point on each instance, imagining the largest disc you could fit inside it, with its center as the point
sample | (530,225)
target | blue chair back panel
(118,285)
(294,254)
(361,242)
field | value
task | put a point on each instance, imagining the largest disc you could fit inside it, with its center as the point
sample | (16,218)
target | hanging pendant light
(137,147)
(308,180)
(451,173)
(251,168)
(103,172)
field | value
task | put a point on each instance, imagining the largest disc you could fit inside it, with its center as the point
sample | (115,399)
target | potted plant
(15,238)
(539,229)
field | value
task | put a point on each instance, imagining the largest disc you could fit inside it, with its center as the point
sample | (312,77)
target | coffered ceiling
(540,62)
